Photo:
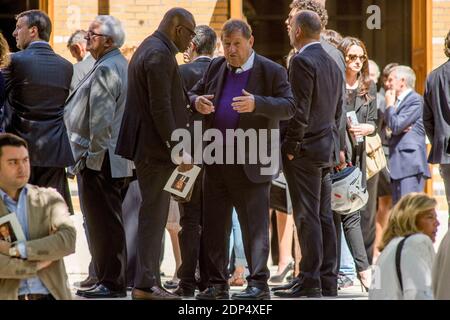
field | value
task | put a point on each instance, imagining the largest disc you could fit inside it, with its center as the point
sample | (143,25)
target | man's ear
(252,41)
(34,32)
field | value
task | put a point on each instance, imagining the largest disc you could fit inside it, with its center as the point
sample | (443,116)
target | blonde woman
(413,218)
(4,61)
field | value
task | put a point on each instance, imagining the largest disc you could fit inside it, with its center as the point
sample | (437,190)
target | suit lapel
(31,199)
(402,103)
(255,76)
(87,76)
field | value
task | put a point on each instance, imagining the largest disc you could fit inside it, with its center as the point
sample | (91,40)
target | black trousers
(310,190)
(225,187)
(351,224)
(101,196)
(368,217)
(91,268)
(152,221)
(191,216)
(54,178)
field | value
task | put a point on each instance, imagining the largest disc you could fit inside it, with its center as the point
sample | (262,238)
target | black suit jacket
(273,99)
(317,86)
(192,72)
(157,103)
(37,85)
(436,113)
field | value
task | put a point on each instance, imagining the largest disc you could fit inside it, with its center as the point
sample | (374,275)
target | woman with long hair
(413,219)
(360,98)
(4,62)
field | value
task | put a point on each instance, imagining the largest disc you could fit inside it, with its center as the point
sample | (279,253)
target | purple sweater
(225,117)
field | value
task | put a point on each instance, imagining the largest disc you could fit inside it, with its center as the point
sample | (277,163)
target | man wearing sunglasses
(157,104)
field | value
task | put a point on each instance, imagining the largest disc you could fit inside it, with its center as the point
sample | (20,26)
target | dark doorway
(266,18)
(9,8)
(391,43)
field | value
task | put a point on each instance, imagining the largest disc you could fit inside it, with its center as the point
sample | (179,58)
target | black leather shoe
(299,291)
(213,293)
(89,282)
(288,286)
(184,292)
(155,293)
(330,292)
(252,293)
(102,292)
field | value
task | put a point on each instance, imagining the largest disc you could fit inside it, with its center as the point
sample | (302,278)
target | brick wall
(139,17)
(441,26)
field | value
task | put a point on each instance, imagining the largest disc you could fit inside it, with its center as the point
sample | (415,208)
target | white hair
(376,68)
(405,72)
(111,27)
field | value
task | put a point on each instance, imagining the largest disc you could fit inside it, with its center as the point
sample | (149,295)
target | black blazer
(273,99)
(436,114)
(192,72)
(157,103)
(37,85)
(317,85)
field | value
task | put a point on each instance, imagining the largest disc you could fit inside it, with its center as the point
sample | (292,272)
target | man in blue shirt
(32,268)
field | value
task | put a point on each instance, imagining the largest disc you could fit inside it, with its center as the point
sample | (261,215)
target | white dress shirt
(416,265)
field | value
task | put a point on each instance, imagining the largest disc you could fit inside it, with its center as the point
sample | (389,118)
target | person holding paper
(246,91)
(157,105)
(32,269)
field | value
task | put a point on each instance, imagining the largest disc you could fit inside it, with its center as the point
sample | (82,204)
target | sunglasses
(192,34)
(353,57)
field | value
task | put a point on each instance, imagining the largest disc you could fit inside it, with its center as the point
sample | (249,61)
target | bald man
(157,104)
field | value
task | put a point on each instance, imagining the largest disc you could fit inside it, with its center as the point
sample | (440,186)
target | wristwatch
(13,252)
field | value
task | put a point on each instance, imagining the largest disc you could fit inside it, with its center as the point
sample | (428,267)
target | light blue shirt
(31,285)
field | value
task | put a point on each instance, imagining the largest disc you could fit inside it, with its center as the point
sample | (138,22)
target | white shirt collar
(202,57)
(308,45)
(247,65)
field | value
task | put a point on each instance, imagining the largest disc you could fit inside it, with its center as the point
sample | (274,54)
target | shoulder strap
(398,256)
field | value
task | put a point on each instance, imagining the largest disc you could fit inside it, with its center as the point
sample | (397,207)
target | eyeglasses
(92,33)
(353,57)
(192,33)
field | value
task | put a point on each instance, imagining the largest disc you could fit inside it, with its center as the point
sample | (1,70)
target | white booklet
(10,229)
(181,183)
(352,120)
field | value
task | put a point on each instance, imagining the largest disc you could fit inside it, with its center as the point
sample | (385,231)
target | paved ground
(77,263)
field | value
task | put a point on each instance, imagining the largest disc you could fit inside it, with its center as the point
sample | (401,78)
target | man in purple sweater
(242,92)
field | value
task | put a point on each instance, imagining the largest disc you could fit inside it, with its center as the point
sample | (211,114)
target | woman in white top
(414,216)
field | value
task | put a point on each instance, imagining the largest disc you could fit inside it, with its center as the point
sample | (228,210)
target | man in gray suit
(93,116)
(85,61)
(407,150)
(436,117)
(37,85)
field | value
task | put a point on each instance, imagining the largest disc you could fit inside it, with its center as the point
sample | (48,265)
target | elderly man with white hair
(93,116)
(77,46)
(407,150)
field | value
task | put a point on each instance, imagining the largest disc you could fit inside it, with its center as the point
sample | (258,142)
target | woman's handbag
(375,160)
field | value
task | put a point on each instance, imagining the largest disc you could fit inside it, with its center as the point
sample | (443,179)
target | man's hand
(290,157)
(43,264)
(204,105)
(4,247)
(390,98)
(362,130)
(245,103)
(342,163)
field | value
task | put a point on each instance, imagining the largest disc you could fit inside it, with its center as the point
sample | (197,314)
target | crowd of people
(110,120)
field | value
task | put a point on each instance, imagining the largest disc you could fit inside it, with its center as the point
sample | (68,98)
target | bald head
(309,23)
(178,25)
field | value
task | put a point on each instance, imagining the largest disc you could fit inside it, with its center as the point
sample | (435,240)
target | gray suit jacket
(94,113)
(80,70)
(407,151)
(436,113)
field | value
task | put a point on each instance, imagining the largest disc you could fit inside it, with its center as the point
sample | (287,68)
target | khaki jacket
(52,237)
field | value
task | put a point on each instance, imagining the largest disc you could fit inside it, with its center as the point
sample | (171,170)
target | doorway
(10,8)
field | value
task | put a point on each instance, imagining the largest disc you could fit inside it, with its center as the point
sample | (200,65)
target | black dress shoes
(101,292)
(89,282)
(155,293)
(252,293)
(213,293)
(184,292)
(298,291)
(287,286)
(329,292)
